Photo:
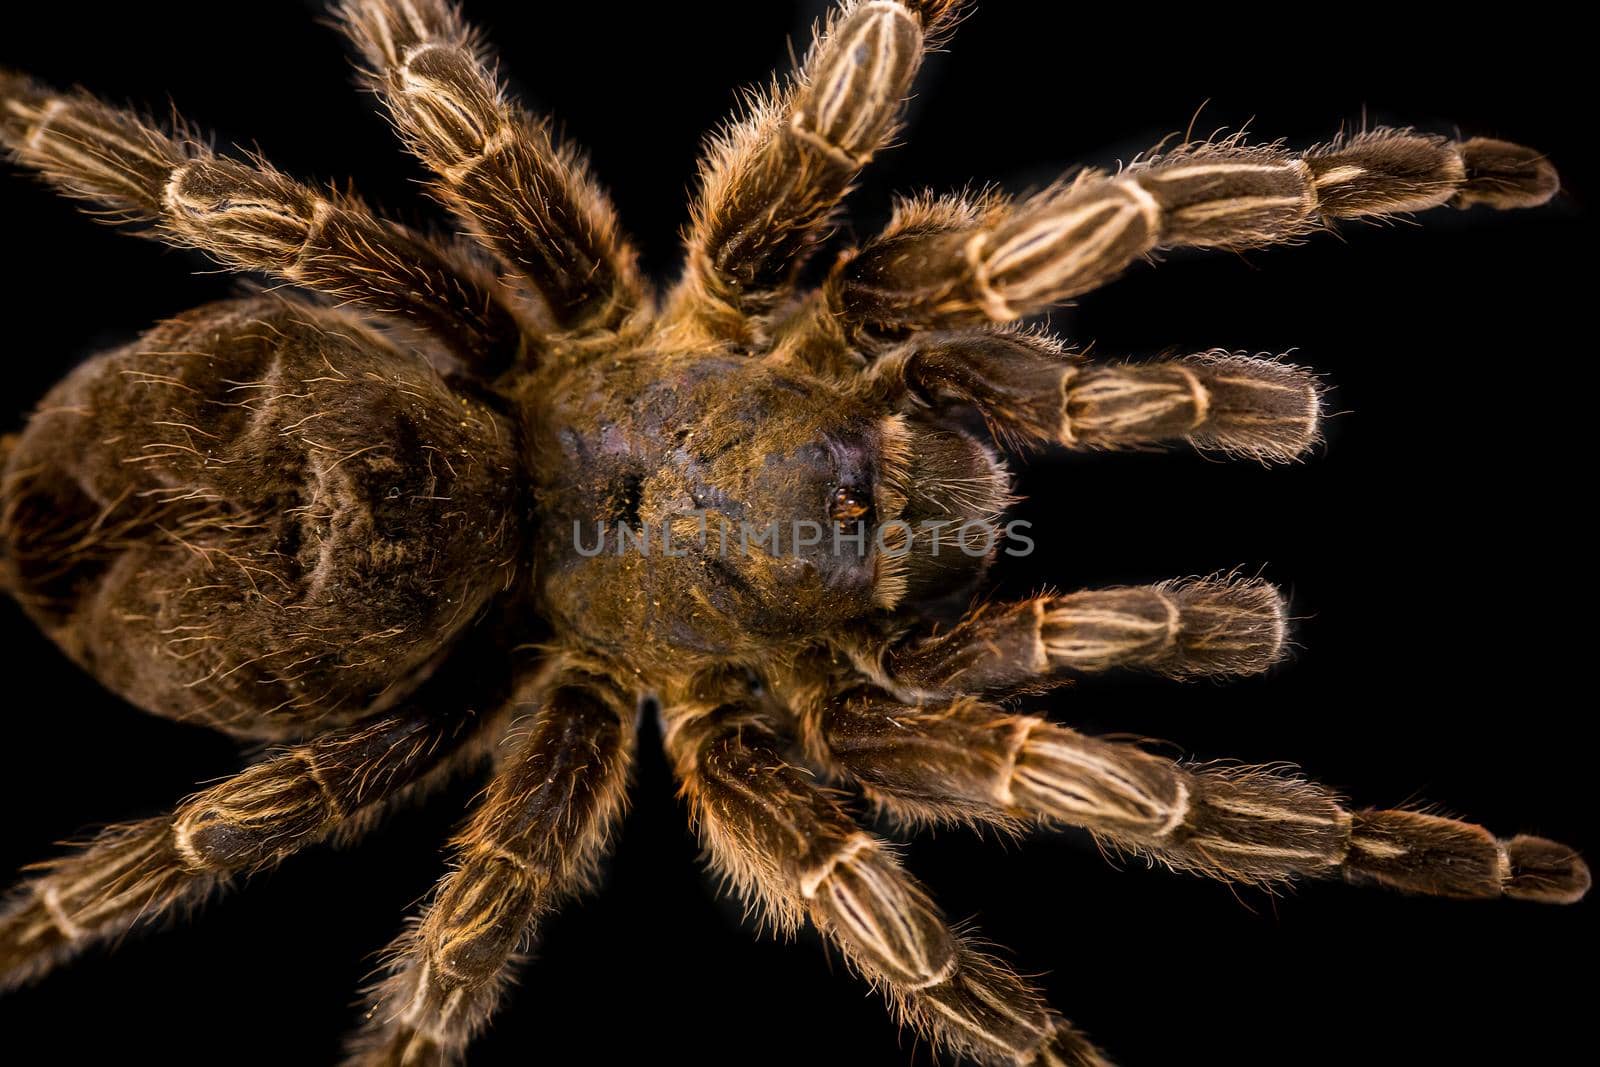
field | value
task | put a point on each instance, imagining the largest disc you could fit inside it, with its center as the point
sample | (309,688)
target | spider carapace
(461,482)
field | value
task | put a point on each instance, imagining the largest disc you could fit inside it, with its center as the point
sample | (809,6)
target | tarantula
(495,498)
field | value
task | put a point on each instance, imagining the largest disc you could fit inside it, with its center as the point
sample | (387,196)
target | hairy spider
(496,498)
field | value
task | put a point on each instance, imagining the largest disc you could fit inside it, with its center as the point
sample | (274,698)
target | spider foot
(1544,870)
(1421,853)
(1505,175)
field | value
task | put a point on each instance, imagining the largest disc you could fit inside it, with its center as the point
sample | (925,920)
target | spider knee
(1079,780)
(231,209)
(263,813)
(480,916)
(449,106)
(851,103)
(863,896)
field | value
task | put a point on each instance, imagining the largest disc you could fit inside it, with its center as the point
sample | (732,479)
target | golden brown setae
(503,475)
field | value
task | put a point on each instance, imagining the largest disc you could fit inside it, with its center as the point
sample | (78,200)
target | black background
(1435,550)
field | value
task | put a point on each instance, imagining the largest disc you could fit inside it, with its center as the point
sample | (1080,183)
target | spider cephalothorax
(713,502)
(502,474)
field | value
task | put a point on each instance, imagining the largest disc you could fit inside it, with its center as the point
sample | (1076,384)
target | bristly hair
(350,523)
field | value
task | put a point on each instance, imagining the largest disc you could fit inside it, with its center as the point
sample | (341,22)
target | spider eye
(849,504)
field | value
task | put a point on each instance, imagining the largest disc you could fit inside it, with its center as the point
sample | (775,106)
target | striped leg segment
(253,218)
(1181,629)
(534,839)
(789,846)
(531,202)
(969,761)
(771,181)
(949,262)
(138,873)
(1030,392)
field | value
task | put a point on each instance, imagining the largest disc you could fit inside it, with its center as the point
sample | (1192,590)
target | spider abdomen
(259,516)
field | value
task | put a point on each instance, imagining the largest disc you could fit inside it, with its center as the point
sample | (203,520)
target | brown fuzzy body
(382,531)
(261,516)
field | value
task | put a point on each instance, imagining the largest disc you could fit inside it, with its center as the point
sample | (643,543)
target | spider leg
(534,840)
(789,846)
(1028,392)
(968,761)
(532,203)
(770,181)
(950,262)
(252,217)
(133,874)
(1181,629)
